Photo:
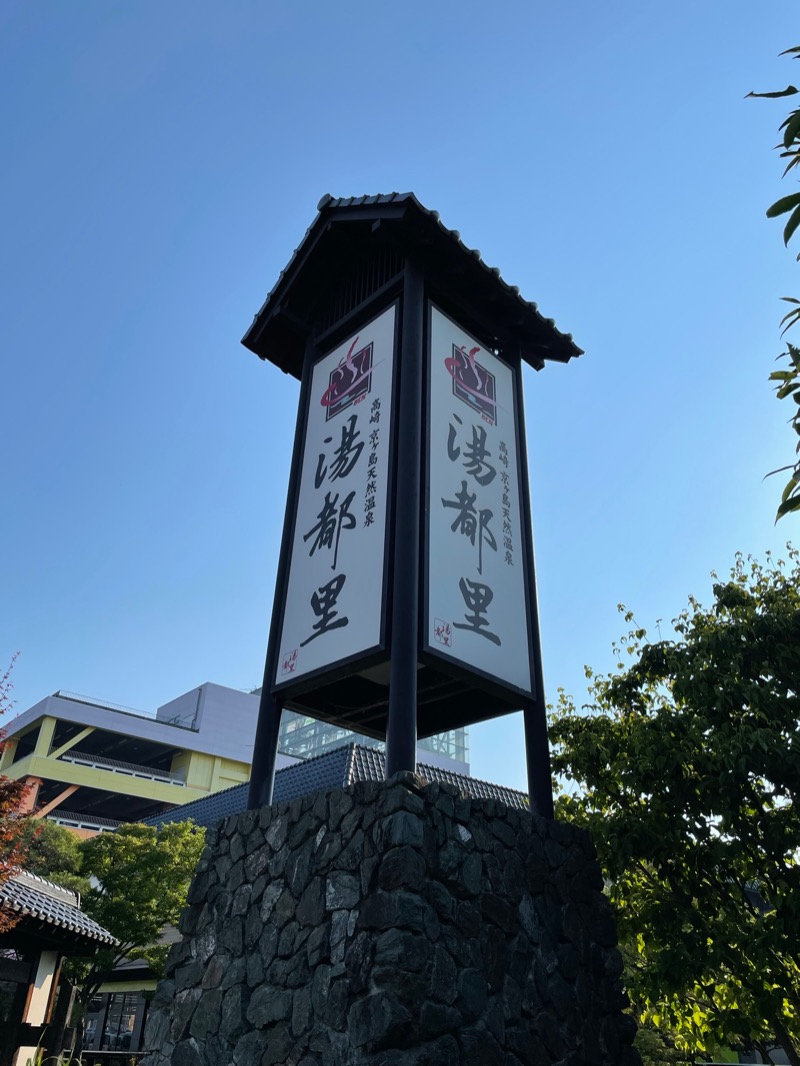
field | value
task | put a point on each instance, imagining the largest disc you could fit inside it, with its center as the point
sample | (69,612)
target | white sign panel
(476,609)
(336,572)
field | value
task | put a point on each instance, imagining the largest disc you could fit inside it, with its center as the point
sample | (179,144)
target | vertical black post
(265,748)
(534,712)
(401,729)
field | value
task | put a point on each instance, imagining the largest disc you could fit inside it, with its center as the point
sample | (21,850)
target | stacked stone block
(394,924)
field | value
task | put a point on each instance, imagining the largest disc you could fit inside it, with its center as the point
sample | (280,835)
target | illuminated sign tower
(405,602)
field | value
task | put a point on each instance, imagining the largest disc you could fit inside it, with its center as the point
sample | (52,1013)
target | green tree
(141,877)
(12,845)
(788,380)
(53,852)
(687,763)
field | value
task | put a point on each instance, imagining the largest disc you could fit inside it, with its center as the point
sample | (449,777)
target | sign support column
(401,732)
(265,747)
(534,711)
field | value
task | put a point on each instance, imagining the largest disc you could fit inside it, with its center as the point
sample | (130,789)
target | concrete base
(392,925)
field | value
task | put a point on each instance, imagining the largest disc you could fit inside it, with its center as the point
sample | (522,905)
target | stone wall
(393,924)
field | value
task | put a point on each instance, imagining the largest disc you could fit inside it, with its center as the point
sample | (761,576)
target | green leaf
(790,318)
(788,507)
(791,225)
(788,91)
(792,128)
(786,203)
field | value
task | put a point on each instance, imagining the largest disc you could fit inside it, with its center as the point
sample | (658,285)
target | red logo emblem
(289,662)
(473,383)
(349,382)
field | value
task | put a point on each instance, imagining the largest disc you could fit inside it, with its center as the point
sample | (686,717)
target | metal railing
(83,821)
(75,697)
(116,766)
(178,721)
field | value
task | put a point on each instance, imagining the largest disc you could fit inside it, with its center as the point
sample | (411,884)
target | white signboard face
(476,606)
(336,572)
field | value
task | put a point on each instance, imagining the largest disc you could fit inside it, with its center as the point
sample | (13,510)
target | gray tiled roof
(339,768)
(561,346)
(329,201)
(30,896)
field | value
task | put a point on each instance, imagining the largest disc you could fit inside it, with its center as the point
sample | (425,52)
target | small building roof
(33,897)
(338,768)
(348,230)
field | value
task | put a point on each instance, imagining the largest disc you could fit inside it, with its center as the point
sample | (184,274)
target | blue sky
(162,161)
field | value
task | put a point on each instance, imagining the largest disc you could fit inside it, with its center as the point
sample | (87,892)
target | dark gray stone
(237,848)
(383,910)
(337,1003)
(189,976)
(401,798)
(401,949)
(443,978)
(394,924)
(250,1049)
(231,936)
(402,868)
(318,945)
(297,868)
(277,832)
(301,1012)
(436,1019)
(189,1053)
(471,870)
(288,942)
(358,962)
(342,891)
(340,805)
(320,986)
(254,969)
(401,828)
(241,901)
(472,993)
(353,854)
(279,1046)
(255,864)
(311,908)
(253,928)
(205,1020)
(268,944)
(268,1005)
(378,1021)
(328,849)
(479,1048)
(232,1022)
(182,1009)
(284,909)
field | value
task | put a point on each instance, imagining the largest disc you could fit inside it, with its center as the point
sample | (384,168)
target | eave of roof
(30,896)
(554,345)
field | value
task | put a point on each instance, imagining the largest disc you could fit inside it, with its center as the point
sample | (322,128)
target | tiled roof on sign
(333,211)
(30,896)
(339,768)
(394,197)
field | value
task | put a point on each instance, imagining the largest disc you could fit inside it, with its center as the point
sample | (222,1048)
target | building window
(114,1022)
